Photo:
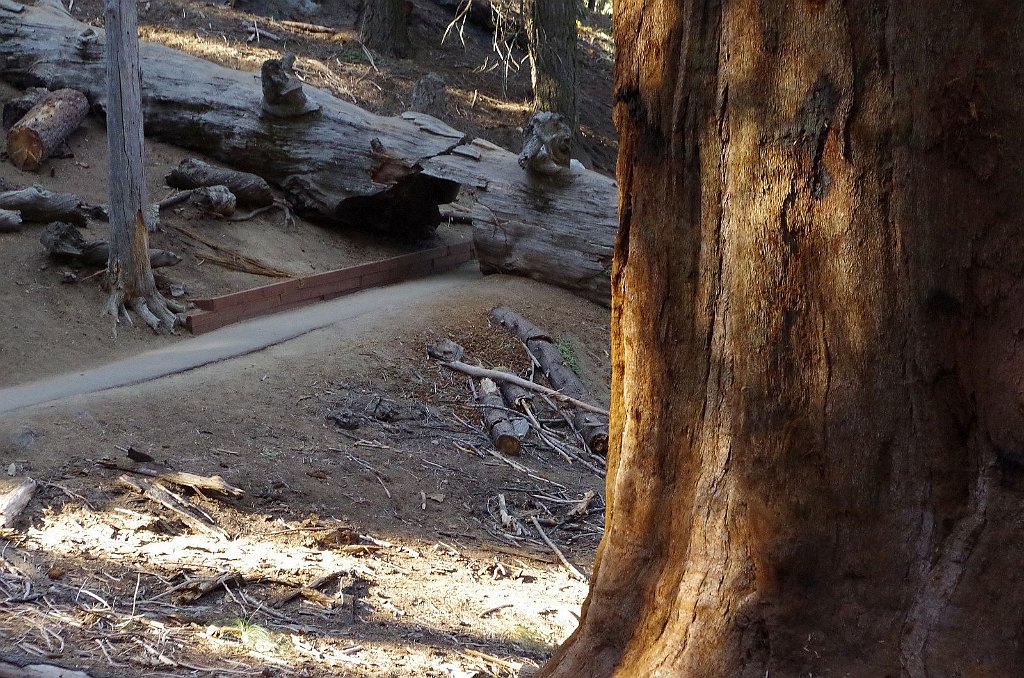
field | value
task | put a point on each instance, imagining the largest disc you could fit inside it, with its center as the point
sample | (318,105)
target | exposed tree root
(153,308)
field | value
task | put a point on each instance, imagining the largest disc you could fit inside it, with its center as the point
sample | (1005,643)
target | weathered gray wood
(559,229)
(547,145)
(217,200)
(129,273)
(10,221)
(40,205)
(248,188)
(66,243)
(14,500)
(499,426)
(342,164)
(542,345)
(44,128)
(16,108)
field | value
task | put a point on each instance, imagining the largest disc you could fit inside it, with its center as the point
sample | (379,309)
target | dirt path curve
(231,341)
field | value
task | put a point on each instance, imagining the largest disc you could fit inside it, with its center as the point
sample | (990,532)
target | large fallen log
(594,429)
(375,172)
(338,164)
(559,229)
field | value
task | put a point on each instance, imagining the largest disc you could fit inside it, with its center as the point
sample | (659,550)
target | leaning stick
(569,566)
(481,373)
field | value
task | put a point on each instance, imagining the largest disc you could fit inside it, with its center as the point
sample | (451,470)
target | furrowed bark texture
(384,27)
(814,461)
(552,31)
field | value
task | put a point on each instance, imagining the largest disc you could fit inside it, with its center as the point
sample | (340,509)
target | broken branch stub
(283,96)
(547,145)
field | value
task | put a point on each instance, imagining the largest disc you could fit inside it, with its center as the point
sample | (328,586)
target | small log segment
(593,428)
(216,200)
(499,425)
(10,221)
(249,189)
(40,205)
(45,127)
(14,500)
(64,242)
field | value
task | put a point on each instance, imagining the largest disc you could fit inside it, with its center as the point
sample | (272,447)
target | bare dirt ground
(390,536)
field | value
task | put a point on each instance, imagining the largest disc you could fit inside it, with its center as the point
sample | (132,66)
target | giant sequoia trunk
(815,462)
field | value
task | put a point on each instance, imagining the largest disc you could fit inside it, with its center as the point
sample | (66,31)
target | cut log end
(42,130)
(507,443)
(25,149)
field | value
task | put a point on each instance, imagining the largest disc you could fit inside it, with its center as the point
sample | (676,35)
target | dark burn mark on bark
(651,144)
(941,302)
(810,131)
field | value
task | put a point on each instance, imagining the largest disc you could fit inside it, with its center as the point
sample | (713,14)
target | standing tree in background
(384,27)
(551,27)
(816,458)
(129,273)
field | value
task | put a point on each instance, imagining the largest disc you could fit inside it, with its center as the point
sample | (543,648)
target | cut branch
(482,373)
(551,360)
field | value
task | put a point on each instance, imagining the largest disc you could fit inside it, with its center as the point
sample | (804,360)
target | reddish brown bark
(815,460)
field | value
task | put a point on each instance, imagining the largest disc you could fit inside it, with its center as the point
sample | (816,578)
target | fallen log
(65,243)
(46,126)
(499,426)
(544,348)
(558,229)
(340,164)
(248,188)
(40,205)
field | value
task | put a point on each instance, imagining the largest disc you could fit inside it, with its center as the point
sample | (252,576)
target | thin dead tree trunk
(815,460)
(129,274)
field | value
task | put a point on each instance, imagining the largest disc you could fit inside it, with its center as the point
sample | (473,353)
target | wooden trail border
(217,312)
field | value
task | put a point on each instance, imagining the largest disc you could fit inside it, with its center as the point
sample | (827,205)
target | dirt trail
(232,341)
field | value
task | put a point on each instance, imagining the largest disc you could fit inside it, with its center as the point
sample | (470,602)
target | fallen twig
(576,574)
(191,515)
(481,372)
